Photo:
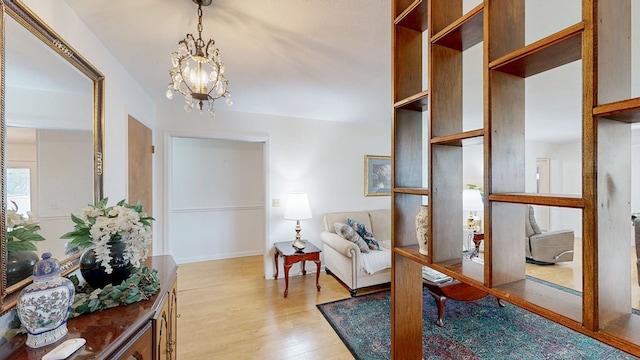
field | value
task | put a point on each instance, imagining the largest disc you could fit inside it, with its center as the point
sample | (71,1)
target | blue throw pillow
(364,234)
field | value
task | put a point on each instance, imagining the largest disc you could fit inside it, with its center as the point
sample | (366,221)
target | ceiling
(316,59)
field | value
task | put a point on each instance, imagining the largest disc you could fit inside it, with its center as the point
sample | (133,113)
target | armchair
(546,248)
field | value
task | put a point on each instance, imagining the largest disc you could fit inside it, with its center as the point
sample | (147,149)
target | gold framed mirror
(52,141)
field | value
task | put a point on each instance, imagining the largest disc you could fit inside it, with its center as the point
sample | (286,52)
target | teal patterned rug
(473,330)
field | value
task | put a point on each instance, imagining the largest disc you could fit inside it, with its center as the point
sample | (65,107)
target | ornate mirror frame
(17,10)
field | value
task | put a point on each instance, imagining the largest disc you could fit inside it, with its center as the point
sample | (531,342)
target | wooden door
(140,165)
(140,160)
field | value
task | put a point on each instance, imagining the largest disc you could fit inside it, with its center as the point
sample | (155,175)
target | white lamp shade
(472,200)
(297,207)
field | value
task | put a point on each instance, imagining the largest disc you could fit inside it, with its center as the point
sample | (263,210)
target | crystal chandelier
(198,71)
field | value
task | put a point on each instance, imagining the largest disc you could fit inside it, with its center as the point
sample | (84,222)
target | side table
(292,256)
(455,290)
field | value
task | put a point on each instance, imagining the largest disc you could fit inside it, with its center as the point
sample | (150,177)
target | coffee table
(455,290)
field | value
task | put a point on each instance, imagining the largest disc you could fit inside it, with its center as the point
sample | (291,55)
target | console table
(141,331)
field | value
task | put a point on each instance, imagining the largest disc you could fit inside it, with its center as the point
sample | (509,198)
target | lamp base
(299,244)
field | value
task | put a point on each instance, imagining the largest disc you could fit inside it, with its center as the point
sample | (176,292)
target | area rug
(473,330)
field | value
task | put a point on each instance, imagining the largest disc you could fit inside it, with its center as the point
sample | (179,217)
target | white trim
(168,152)
(218,208)
(249,137)
(168,168)
(268,256)
(217,257)
(54,217)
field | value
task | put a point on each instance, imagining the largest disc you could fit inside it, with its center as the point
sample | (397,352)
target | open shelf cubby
(443,48)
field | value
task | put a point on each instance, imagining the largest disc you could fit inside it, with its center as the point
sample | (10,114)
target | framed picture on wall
(377,175)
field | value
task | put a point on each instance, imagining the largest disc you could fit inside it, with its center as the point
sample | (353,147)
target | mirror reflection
(49,149)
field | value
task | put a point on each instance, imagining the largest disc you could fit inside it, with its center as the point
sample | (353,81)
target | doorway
(543,186)
(140,159)
(216,191)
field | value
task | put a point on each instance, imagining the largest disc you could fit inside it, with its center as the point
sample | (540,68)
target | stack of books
(434,276)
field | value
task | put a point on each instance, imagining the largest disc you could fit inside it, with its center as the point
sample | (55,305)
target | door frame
(168,186)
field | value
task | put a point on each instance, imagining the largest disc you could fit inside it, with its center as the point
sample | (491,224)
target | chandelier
(198,71)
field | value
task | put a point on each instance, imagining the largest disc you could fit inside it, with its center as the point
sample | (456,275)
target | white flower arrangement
(99,226)
(22,230)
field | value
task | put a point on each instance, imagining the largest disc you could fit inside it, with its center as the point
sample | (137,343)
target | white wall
(217,189)
(322,158)
(123,96)
(65,183)
(473,165)
(566,178)
(635,178)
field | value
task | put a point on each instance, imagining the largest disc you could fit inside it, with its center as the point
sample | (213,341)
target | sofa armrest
(554,238)
(552,246)
(339,244)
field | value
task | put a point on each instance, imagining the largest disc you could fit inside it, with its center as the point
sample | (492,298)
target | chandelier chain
(200,24)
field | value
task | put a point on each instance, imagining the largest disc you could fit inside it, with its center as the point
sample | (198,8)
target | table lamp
(472,202)
(298,209)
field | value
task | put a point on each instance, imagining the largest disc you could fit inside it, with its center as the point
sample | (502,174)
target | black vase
(20,265)
(94,273)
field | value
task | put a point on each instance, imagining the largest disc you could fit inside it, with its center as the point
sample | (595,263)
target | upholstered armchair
(546,248)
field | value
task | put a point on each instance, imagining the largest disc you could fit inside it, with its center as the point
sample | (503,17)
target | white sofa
(343,258)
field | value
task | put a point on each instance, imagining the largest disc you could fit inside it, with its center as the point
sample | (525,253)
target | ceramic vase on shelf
(95,274)
(422,229)
(44,305)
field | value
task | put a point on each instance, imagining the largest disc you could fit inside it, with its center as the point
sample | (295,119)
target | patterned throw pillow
(348,233)
(364,233)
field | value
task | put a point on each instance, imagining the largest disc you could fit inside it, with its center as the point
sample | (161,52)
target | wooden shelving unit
(427,156)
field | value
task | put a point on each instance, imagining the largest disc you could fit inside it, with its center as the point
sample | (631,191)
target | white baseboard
(217,257)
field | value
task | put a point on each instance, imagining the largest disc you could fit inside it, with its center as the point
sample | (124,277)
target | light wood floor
(569,274)
(229,311)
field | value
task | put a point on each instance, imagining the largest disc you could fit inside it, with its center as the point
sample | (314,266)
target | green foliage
(139,286)
(21,239)
(22,230)
(81,235)
(474,187)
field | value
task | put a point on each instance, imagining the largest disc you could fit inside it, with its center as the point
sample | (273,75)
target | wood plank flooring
(569,274)
(229,311)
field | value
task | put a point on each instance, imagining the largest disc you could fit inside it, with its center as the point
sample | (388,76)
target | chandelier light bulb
(198,70)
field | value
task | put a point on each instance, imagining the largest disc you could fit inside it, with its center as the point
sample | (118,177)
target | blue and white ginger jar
(44,306)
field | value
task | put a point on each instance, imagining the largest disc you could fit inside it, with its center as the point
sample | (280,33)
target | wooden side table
(455,290)
(292,256)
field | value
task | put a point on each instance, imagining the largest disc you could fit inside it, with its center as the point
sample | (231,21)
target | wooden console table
(143,330)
